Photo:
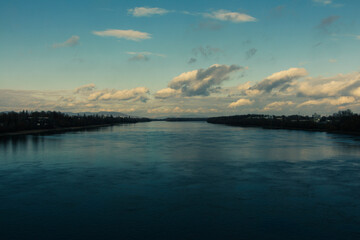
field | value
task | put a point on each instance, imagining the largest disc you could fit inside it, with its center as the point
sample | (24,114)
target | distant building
(316,117)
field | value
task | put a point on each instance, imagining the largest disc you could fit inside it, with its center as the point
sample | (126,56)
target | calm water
(188,180)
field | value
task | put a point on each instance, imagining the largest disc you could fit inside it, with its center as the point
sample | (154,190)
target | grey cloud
(317,44)
(326,23)
(203,81)
(208,25)
(85,88)
(192,60)
(206,51)
(250,53)
(73,41)
(139,57)
(277,11)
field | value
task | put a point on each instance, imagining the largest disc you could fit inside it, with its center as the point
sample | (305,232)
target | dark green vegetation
(23,121)
(343,121)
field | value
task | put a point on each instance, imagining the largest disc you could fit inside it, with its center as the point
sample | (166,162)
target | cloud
(332,60)
(192,60)
(250,53)
(280,80)
(277,106)
(167,93)
(243,89)
(85,88)
(208,25)
(135,94)
(358,37)
(142,56)
(327,3)
(282,90)
(179,110)
(326,23)
(339,85)
(146,12)
(234,17)
(244,86)
(139,57)
(202,82)
(206,51)
(127,34)
(71,42)
(323,2)
(338,101)
(240,102)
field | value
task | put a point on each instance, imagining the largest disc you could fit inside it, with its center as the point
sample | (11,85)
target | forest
(25,120)
(342,121)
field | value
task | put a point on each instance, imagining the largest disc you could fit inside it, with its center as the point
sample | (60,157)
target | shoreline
(68,129)
(54,130)
(289,128)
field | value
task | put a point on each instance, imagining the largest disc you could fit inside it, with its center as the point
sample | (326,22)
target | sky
(180,58)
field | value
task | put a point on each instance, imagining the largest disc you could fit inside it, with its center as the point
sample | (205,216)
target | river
(180,180)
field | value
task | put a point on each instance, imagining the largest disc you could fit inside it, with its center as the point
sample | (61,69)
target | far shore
(293,128)
(53,130)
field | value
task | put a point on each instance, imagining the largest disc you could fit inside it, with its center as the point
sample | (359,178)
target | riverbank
(292,128)
(337,124)
(54,130)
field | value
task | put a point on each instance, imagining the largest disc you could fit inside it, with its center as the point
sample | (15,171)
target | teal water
(180,180)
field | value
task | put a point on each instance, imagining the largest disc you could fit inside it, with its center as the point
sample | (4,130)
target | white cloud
(277,106)
(280,80)
(180,110)
(324,2)
(136,94)
(73,41)
(146,53)
(146,12)
(244,86)
(127,34)
(339,85)
(356,92)
(235,17)
(143,56)
(240,102)
(336,101)
(167,93)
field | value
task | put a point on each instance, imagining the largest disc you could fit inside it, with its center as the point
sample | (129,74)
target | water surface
(180,180)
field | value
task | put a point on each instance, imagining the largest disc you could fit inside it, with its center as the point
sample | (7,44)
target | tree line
(342,121)
(25,120)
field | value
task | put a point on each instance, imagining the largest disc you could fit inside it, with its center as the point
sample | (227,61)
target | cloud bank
(135,94)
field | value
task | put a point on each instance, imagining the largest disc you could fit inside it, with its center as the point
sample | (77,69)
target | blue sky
(162,58)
